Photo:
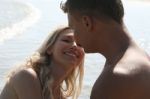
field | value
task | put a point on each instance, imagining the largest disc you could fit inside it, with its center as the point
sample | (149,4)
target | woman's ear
(87,22)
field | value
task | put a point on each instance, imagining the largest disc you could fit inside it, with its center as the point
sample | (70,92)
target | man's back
(128,79)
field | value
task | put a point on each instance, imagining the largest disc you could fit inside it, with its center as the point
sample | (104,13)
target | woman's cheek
(82,53)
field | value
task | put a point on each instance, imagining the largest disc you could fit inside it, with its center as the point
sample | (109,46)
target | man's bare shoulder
(133,67)
(129,79)
(134,60)
(122,85)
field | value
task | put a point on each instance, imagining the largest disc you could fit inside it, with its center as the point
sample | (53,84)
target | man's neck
(116,40)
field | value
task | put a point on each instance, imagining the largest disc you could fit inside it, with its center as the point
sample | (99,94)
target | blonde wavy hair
(40,60)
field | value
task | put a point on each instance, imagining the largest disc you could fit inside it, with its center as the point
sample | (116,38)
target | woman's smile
(66,51)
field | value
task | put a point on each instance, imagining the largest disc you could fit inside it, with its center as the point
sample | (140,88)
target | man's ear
(87,22)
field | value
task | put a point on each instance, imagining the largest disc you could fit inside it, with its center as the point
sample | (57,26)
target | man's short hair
(96,8)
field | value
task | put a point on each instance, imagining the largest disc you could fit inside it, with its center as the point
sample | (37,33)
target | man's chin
(86,47)
(88,50)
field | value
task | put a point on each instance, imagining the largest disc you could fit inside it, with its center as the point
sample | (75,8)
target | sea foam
(16,17)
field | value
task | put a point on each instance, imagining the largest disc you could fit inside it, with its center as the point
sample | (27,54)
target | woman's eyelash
(66,40)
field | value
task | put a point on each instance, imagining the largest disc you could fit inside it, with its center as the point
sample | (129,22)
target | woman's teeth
(71,54)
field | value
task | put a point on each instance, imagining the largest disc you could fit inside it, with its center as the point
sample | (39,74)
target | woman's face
(65,50)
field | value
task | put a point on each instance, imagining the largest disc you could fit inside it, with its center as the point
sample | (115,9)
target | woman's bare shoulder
(26,84)
(24,75)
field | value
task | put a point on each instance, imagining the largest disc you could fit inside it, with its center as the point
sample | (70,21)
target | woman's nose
(74,44)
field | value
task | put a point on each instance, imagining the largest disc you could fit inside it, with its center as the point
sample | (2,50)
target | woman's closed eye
(67,40)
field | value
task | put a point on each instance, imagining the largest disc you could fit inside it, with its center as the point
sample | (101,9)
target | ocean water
(24,24)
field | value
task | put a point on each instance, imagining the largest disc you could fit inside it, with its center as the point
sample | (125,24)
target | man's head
(83,16)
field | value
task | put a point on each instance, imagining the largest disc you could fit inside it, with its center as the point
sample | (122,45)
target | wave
(15,18)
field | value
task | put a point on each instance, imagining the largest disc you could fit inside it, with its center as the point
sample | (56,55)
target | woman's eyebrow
(69,36)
